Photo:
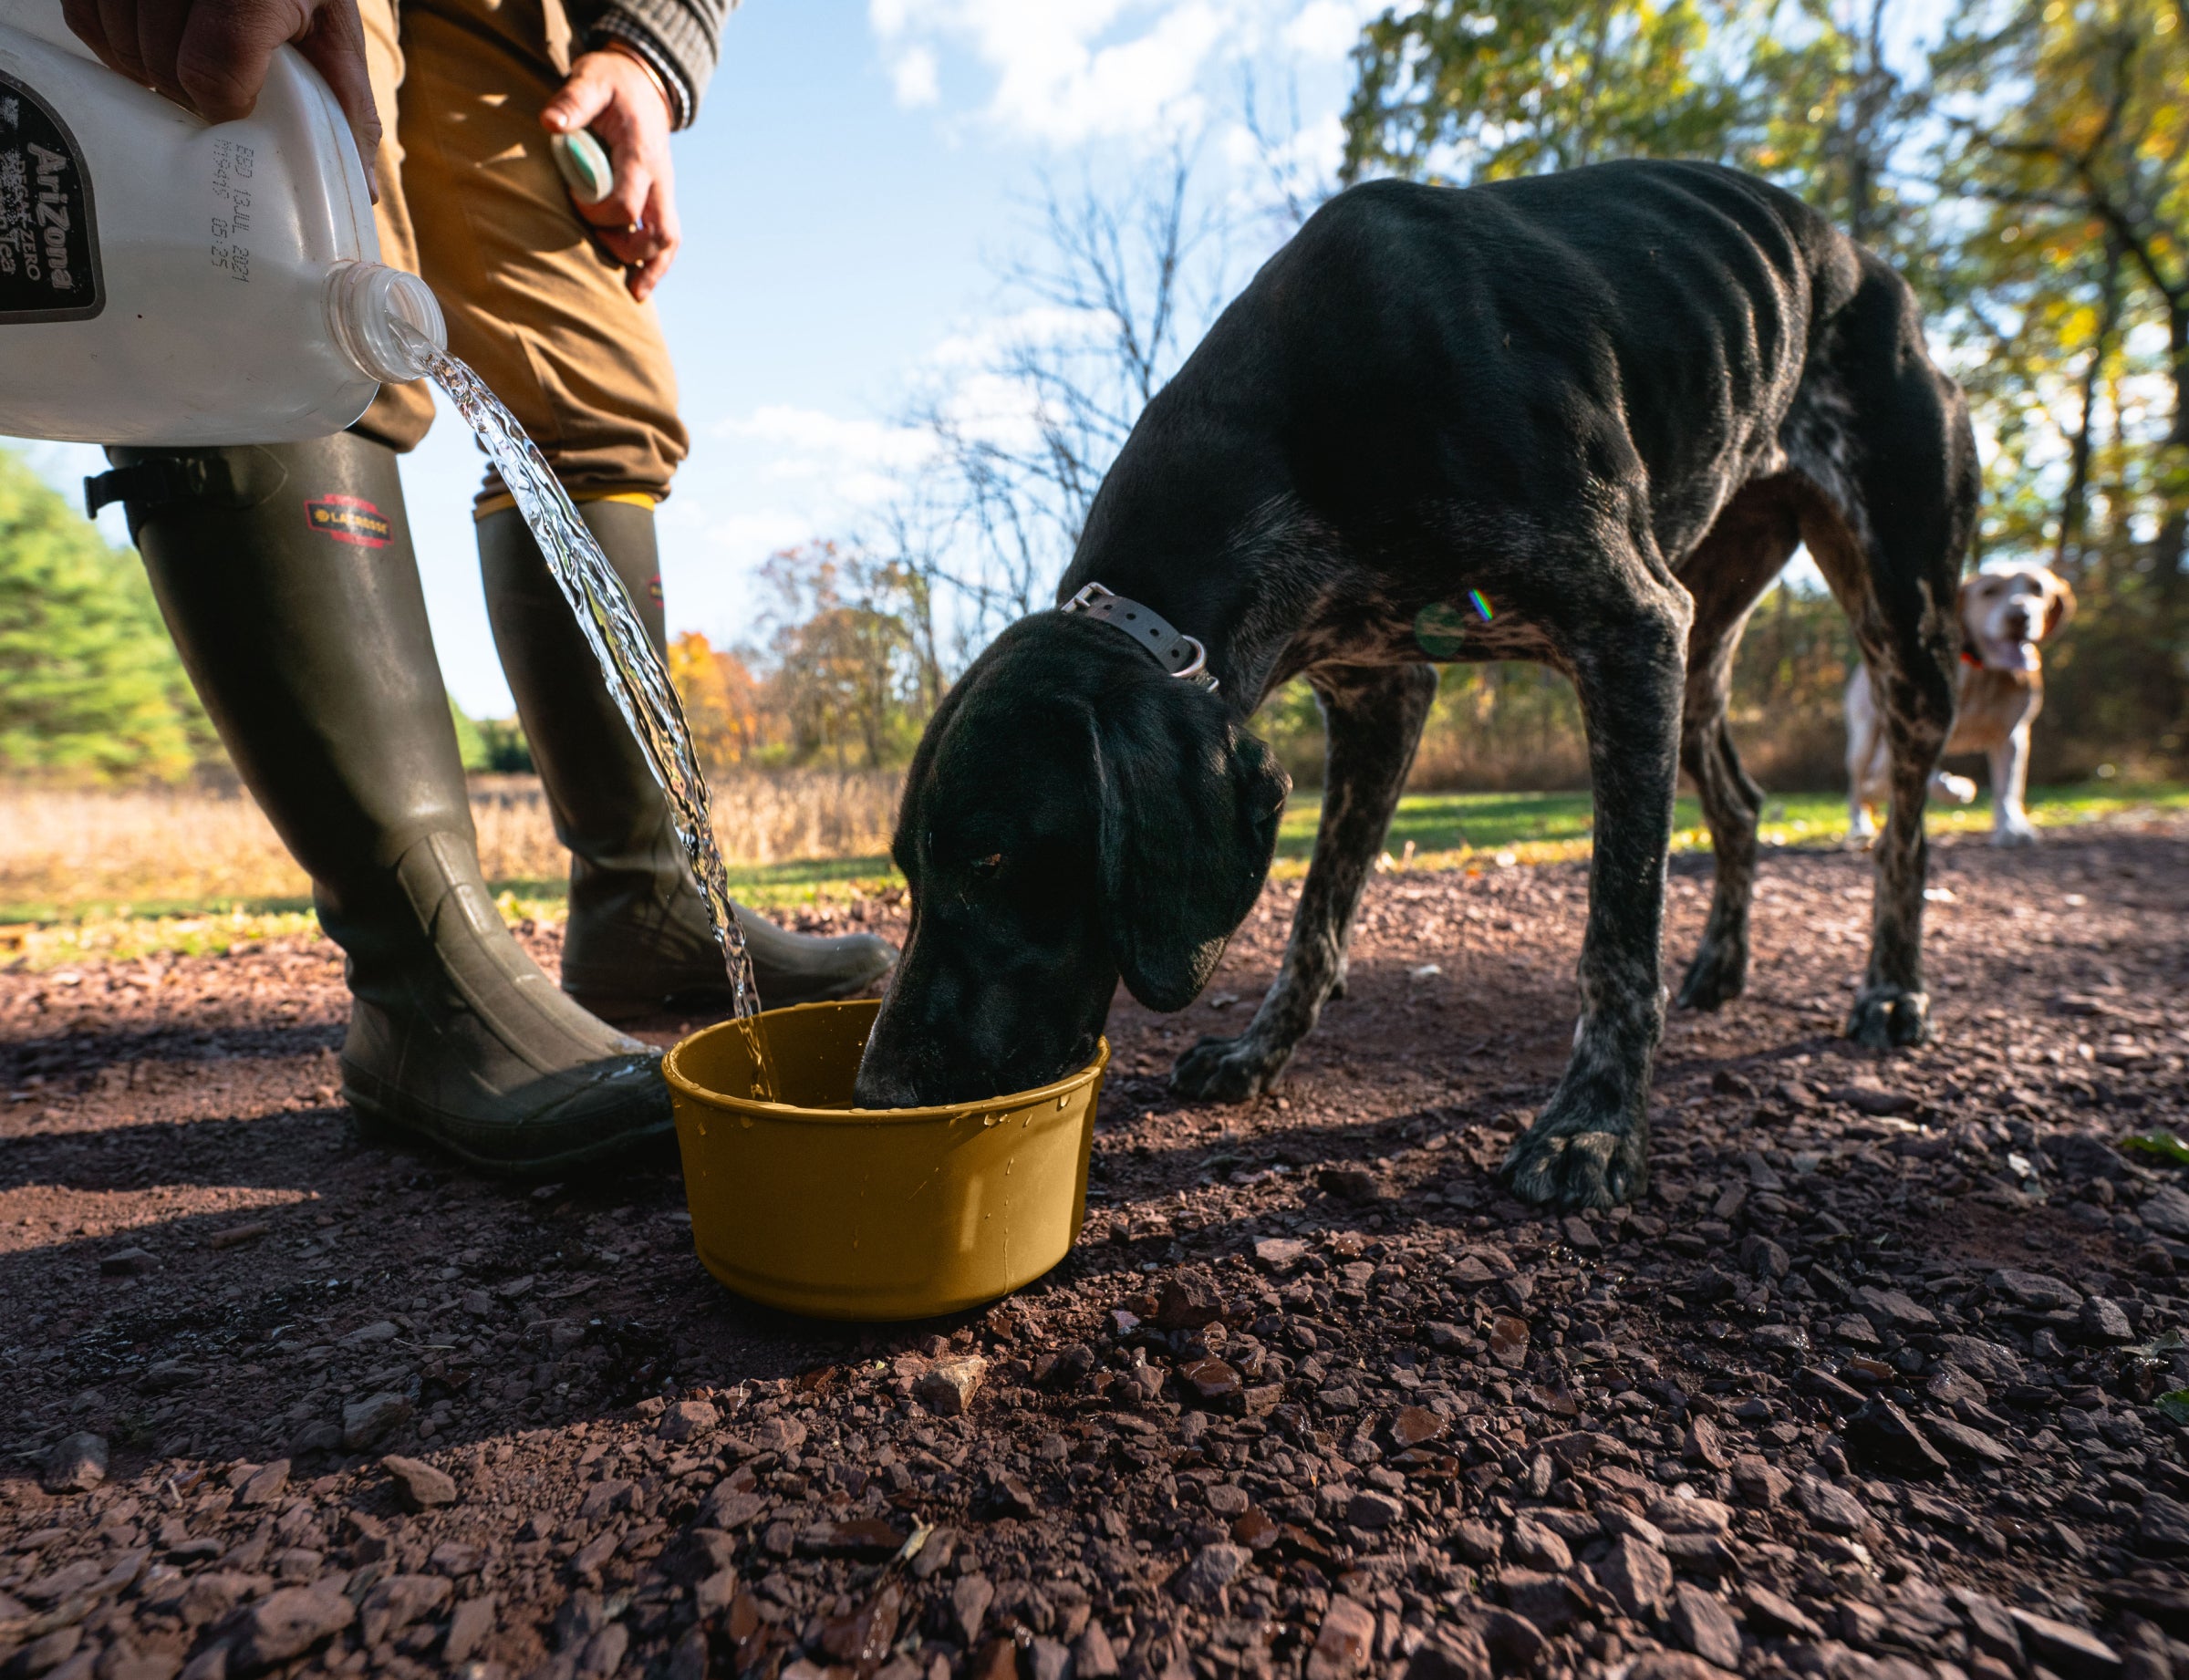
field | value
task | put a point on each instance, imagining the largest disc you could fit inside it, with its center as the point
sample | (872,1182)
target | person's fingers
(580,100)
(213,57)
(221,62)
(84,19)
(335,47)
(118,28)
(648,252)
(159,26)
(642,280)
(635,223)
(629,245)
(662,216)
(628,200)
(634,241)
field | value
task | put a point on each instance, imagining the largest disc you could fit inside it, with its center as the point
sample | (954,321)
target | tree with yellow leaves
(722,699)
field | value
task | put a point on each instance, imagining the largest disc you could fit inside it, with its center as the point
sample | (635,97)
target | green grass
(1445,830)
(1543,826)
(52,935)
(811,880)
(776,887)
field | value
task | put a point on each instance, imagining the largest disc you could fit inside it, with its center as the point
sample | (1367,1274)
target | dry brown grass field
(67,847)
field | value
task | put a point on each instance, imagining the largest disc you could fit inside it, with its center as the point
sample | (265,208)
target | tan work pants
(471,200)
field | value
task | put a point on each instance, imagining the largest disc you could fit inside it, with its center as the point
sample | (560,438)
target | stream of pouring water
(635,675)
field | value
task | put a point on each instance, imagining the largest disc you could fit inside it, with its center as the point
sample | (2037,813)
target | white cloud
(916,77)
(815,435)
(982,345)
(753,536)
(1302,163)
(1326,30)
(1069,71)
(977,395)
(821,474)
(807,474)
(844,464)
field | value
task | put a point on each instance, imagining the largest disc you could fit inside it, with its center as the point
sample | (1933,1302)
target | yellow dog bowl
(871,1213)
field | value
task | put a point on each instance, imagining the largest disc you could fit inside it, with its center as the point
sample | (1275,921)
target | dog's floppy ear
(1188,810)
(2059,603)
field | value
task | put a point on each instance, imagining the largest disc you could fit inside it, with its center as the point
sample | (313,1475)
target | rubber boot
(639,940)
(286,577)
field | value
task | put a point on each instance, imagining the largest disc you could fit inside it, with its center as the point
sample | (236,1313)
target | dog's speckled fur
(1612,400)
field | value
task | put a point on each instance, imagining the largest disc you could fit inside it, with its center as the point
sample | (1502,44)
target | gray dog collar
(1176,652)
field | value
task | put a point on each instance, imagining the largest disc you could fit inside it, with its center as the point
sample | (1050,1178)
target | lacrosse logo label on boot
(48,237)
(349,519)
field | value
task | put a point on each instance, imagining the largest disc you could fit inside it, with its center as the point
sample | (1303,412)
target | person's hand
(616,96)
(211,56)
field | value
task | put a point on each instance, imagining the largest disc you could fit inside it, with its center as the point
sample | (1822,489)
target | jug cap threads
(364,301)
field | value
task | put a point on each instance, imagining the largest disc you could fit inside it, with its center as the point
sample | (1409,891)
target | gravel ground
(1863,1389)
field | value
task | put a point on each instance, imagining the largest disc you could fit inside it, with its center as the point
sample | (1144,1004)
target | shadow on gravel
(465,1284)
(282,1151)
(82,1056)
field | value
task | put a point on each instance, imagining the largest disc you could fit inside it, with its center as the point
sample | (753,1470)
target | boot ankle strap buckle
(148,484)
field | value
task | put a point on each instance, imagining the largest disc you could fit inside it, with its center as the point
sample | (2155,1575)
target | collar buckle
(1180,655)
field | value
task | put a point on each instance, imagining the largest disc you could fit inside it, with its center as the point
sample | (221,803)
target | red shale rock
(418,1484)
(947,1389)
(1465,1439)
(1344,1643)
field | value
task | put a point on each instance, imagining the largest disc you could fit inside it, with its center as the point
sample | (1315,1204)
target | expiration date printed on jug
(231,224)
(48,241)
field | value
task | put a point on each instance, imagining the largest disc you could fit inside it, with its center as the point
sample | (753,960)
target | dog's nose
(876,1088)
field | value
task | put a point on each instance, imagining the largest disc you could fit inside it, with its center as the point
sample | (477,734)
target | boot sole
(375,1114)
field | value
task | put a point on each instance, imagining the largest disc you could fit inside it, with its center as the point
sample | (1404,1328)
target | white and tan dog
(2006,612)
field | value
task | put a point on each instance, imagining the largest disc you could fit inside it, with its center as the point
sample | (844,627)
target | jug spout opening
(364,301)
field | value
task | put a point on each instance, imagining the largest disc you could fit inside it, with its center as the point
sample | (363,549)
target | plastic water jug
(164,280)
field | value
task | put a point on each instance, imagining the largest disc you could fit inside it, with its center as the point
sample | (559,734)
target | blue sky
(859,170)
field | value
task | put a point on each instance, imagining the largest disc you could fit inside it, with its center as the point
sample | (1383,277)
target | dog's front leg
(2010,824)
(1372,718)
(1590,1146)
(1865,751)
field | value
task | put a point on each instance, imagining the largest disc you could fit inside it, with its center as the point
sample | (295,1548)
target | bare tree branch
(1122,282)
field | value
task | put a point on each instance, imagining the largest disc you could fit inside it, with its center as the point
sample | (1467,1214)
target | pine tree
(90,688)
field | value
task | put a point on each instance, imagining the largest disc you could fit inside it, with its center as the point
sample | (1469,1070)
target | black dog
(1584,418)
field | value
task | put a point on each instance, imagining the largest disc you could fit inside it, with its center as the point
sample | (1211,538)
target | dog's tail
(1881,436)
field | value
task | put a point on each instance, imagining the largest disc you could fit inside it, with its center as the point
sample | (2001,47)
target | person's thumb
(580,100)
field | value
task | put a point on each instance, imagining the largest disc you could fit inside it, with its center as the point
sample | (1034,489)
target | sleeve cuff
(630,33)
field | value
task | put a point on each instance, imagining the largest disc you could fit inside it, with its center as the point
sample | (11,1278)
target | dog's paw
(1890,1018)
(1226,1070)
(2014,834)
(1571,1165)
(1959,789)
(1718,974)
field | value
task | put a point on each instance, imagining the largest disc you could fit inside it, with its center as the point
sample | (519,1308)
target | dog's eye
(985,867)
